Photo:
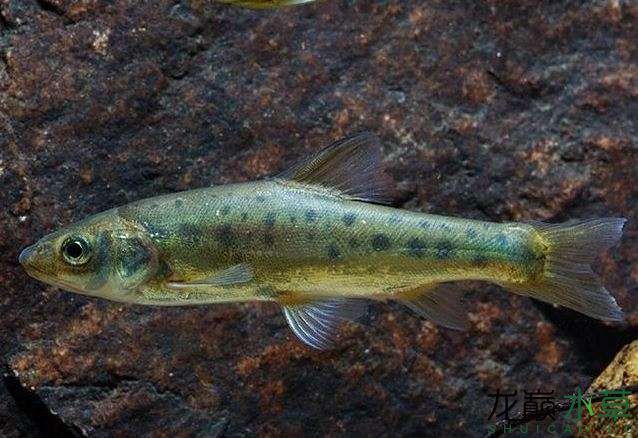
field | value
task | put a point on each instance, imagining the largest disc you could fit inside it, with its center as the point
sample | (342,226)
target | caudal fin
(568,279)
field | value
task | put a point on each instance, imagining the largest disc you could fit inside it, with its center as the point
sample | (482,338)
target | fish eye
(76,250)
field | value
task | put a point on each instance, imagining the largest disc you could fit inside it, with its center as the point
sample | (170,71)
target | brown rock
(499,110)
(621,372)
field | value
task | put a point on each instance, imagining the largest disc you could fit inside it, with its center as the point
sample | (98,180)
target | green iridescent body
(303,243)
(316,240)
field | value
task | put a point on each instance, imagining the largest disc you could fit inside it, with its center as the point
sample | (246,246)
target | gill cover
(135,259)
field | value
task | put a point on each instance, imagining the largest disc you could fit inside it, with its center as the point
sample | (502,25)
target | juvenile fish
(317,240)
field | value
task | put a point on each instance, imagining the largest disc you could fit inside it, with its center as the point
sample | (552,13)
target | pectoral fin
(236,274)
(439,303)
(316,323)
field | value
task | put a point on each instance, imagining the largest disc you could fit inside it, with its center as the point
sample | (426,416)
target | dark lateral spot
(395,219)
(260,199)
(425,224)
(529,256)
(502,240)
(354,243)
(416,247)
(443,250)
(244,216)
(348,219)
(270,218)
(479,260)
(179,203)
(225,210)
(333,252)
(188,230)
(269,239)
(445,227)
(471,233)
(380,242)
(311,215)
(225,236)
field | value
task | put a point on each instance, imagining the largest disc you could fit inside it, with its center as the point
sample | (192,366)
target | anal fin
(316,322)
(440,303)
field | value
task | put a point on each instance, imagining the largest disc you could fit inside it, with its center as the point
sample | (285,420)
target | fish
(264,4)
(322,240)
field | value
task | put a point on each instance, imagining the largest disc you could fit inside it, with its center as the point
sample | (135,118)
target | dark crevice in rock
(6,24)
(512,90)
(56,10)
(5,61)
(45,421)
(45,5)
(602,342)
(115,382)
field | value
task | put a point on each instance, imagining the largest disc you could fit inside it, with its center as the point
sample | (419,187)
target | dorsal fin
(351,168)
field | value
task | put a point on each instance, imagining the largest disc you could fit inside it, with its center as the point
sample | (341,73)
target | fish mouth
(68,287)
(26,260)
(35,272)
(48,279)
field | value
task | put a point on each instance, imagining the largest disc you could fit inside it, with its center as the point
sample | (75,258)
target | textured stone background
(500,110)
(623,371)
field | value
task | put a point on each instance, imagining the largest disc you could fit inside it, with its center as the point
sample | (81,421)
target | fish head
(104,256)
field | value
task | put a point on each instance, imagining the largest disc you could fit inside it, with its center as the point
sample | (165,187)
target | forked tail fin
(568,279)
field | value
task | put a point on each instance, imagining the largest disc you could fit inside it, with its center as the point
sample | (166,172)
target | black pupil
(74,249)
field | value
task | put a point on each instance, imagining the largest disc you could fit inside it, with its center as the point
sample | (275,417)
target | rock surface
(499,110)
(622,372)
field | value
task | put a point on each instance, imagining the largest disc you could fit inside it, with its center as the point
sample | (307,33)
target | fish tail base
(567,277)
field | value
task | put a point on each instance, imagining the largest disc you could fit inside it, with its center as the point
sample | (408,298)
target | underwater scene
(340,218)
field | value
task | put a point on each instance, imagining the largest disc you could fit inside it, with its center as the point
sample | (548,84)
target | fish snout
(26,255)
(36,257)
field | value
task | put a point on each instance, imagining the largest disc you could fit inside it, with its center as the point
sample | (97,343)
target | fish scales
(318,240)
(310,243)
